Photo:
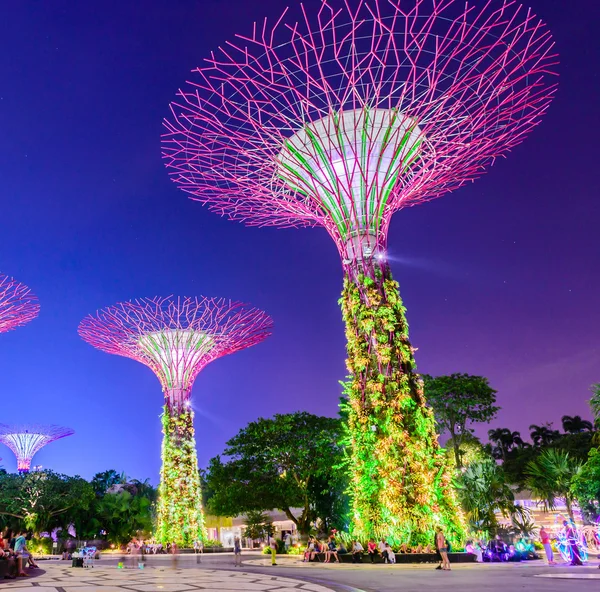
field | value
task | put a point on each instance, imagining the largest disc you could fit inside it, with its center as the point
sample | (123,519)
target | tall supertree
(26,440)
(18,305)
(339,120)
(176,338)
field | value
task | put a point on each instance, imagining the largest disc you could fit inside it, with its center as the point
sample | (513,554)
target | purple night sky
(500,278)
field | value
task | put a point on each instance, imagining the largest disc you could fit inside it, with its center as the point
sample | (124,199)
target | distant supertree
(176,338)
(26,440)
(17,304)
(340,120)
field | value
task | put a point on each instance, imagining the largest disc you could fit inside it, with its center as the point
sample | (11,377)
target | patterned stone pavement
(102,579)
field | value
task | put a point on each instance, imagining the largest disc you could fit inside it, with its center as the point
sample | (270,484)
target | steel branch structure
(18,305)
(176,338)
(357,111)
(26,440)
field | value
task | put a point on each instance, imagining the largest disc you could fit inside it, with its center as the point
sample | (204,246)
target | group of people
(13,550)
(331,550)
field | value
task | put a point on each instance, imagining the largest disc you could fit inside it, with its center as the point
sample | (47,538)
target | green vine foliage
(400,485)
(180,518)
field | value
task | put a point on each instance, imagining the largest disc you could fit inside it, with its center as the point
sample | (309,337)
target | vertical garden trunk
(180,518)
(400,487)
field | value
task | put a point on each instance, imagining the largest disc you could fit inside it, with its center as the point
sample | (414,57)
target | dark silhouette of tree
(504,442)
(542,435)
(574,424)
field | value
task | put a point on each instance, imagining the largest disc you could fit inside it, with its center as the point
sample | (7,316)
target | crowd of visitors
(14,551)
(331,549)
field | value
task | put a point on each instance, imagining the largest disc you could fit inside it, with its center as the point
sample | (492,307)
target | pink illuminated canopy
(176,337)
(26,440)
(357,111)
(17,304)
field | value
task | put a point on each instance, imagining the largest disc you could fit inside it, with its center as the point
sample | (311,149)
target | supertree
(176,338)
(18,305)
(339,120)
(26,440)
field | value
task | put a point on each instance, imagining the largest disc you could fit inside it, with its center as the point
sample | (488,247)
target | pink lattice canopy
(176,337)
(358,111)
(17,304)
(26,441)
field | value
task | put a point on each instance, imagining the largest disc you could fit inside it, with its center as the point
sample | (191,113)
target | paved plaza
(217,574)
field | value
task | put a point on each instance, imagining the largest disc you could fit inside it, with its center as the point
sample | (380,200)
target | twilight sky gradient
(500,278)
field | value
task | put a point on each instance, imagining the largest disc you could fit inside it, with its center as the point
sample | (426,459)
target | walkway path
(59,578)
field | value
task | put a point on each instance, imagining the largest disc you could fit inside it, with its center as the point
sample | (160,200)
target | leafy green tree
(574,424)
(102,482)
(549,476)
(483,490)
(124,516)
(459,400)
(43,500)
(471,451)
(542,435)
(585,485)
(285,462)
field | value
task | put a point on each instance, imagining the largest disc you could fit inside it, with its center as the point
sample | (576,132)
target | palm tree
(575,425)
(543,435)
(549,477)
(505,441)
(483,491)
(595,403)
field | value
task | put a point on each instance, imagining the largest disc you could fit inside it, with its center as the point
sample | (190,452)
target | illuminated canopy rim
(474,77)
(26,440)
(176,337)
(18,305)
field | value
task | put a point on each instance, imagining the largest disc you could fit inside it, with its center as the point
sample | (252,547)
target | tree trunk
(456,445)
(569,505)
(180,518)
(400,486)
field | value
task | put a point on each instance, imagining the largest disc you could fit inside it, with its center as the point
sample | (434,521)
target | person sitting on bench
(357,552)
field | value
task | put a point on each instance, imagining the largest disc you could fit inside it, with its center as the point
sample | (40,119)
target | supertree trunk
(180,518)
(400,487)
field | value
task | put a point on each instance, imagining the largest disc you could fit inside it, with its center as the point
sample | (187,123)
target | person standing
(571,537)
(442,546)
(273,547)
(545,540)
(237,551)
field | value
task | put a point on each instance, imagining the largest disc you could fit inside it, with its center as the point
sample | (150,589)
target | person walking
(442,546)
(545,540)
(237,552)
(273,547)
(198,549)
